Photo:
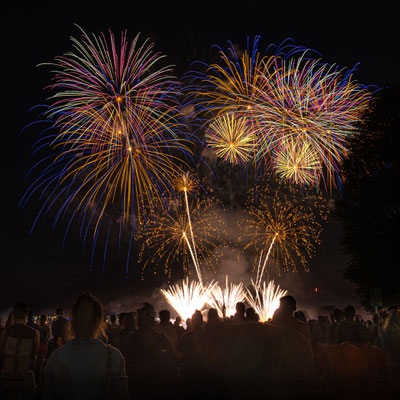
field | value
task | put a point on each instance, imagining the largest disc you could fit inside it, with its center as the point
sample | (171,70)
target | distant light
(316,290)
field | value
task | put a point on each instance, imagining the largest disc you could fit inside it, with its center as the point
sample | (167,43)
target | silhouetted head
(240,309)
(165,316)
(212,315)
(113,319)
(312,323)
(129,322)
(322,320)
(251,314)
(20,312)
(197,320)
(349,313)
(146,316)
(59,312)
(121,317)
(43,319)
(178,319)
(300,316)
(338,315)
(87,317)
(287,304)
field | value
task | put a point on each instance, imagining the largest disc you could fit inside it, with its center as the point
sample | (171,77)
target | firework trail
(167,237)
(260,271)
(188,297)
(265,300)
(186,185)
(115,149)
(224,299)
(285,225)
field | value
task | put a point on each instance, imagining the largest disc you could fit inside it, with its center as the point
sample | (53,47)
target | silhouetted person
(166,328)
(10,320)
(149,358)
(391,345)
(333,328)
(284,316)
(193,368)
(188,324)
(239,316)
(113,322)
(61,331)
(59,328)
(128,325)
(321,330)
(44,333)
(349,330)
(85,367)
(121,317)
(375,330)
(180,330)
(213,320)
(300,316)
(113,332)
(19,347)
(251,315)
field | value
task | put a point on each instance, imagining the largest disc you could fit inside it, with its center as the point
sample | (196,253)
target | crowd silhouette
(133,356)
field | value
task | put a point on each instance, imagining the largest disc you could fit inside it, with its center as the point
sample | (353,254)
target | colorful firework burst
(287,95)
(298,163)
(232,139)
(313,103)
(116,145)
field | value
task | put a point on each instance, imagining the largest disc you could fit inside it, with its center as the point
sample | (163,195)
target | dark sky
(37,268)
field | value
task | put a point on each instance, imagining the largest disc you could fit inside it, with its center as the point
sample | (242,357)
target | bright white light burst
(187,297)
(227,298)
(265,300)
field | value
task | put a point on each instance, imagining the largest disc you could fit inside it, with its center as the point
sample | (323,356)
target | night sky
(37,268)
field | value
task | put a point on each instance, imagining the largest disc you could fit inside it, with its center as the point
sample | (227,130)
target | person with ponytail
(86,367)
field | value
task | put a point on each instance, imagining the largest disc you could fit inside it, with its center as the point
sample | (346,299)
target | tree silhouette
(370,206)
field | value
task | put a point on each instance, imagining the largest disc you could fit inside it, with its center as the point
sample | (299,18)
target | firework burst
(265,300)
(168,237)
(224,299)
(188,297)
(288,95)
(116,148)
(284,226)
(232,139)
(298,163)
